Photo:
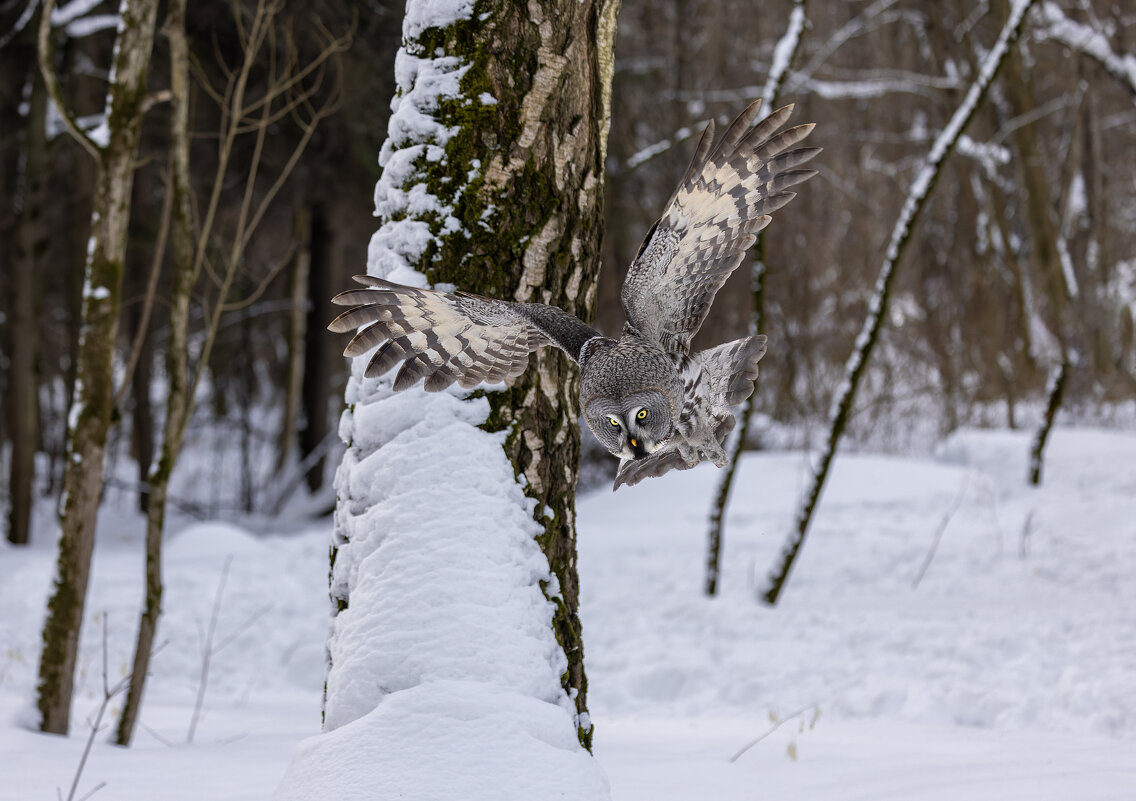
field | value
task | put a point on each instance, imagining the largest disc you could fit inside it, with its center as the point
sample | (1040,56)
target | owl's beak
(639,448)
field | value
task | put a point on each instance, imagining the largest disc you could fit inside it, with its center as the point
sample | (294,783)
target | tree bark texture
(90,411)
(523,176)
(177,400)
(297,335)
(550,66)
(31,242)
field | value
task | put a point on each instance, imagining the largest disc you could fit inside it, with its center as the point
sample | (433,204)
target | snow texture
(445,672)
(1008,674)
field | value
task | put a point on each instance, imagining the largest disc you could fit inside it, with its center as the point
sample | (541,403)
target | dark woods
(1022,260)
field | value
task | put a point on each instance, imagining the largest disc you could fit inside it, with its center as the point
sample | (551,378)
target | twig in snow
(1024,539)
(108,694)
(947,517)
(208,649)
(776,725)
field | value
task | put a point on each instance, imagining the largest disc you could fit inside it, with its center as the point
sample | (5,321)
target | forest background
(1021,259)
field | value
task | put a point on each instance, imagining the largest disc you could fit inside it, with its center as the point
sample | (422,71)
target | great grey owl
(645,396)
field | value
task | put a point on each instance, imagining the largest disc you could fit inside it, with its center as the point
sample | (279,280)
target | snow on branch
(1087,40)
(916,200)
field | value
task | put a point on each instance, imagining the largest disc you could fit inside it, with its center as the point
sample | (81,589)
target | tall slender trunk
(31,242)
(142,418)
(317,372)
(297,334)
(1045,258)
(91,405)
(182,250)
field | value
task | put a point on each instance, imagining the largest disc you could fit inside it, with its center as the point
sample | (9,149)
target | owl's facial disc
(631,427)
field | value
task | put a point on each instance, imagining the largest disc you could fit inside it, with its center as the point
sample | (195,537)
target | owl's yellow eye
(613,421)
(642,415)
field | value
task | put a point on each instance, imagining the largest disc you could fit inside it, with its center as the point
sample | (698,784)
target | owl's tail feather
(734,368)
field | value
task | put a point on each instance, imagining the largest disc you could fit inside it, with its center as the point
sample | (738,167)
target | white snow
(1008,674)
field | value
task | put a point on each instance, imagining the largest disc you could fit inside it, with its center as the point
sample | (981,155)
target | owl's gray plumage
(645,396)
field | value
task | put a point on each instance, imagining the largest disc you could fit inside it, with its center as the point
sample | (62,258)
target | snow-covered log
(456,662)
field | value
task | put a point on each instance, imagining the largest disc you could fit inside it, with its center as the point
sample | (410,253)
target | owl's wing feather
(723,201)
(441,338)
(632,471)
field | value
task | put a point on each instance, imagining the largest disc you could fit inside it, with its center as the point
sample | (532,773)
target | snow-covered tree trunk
(91,405)
(456,661)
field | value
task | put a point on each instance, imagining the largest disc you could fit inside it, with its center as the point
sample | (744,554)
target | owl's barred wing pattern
(712,219)
(442,338)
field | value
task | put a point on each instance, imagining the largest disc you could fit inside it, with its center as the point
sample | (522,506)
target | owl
(646,396)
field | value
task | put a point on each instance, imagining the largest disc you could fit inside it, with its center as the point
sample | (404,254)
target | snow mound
(208,541)
(443,741)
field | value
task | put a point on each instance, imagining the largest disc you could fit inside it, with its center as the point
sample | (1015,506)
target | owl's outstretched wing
(442,338)
(709,223)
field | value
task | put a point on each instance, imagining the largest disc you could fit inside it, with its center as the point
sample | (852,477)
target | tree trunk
(785,51)
(31,242)
(177,404)
(90,410)
(297,335)
(521,176)
(142,417)
(317,372)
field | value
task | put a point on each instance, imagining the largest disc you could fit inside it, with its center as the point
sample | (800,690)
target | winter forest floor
(1008,673)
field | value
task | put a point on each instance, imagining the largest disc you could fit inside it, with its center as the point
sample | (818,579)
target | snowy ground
(1009,673)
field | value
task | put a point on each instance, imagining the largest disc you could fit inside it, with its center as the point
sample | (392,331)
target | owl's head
(633,426)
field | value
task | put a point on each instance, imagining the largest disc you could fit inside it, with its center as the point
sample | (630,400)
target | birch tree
(113,148)
(916,200)
(453,561)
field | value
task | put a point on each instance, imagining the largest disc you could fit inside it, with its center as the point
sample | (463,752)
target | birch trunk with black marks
(91,403)
(547,184)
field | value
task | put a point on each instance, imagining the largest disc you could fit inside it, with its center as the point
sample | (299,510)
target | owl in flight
(647,398)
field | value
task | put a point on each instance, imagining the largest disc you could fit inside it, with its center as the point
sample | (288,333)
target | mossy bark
(177,396)
(523,174)
(543,146)
(91,405)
